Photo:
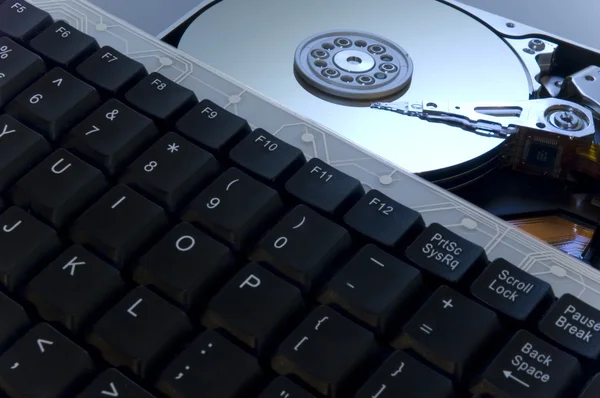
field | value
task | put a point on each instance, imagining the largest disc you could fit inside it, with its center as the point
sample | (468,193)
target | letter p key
(251,281)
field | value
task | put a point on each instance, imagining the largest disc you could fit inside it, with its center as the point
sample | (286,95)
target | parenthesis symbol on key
(230,184)
(301,223)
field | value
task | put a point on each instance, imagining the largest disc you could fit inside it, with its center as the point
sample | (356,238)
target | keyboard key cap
(54,103)
(111,72)
(385,221)
(24,243)
(446,255)
(43,364)
(211,367)
(528,367)
(284,387)
(254,307)
(235,208)
(267,157)
(325,188)
(161,99)
(111,136)
(512,291)
(574,325)
(112,383)
(373,287)
(170,170)
(592,388)
(20,149)
(450,331)
(18,69)
(403,376)
(303,246)
(59,188)
(212,127)
(119,224)
(186,266)
(325,351)
(63,45)
(21,21)
(73,288)
(13,321)
(139,331)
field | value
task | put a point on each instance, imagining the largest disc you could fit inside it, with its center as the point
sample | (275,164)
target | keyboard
(160,236)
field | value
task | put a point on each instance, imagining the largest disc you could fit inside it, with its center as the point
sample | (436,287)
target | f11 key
(325,188)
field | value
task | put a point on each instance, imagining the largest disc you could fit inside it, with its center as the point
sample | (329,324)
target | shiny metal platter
(453,58)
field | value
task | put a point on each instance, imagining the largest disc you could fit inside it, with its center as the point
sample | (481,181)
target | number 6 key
(54,103)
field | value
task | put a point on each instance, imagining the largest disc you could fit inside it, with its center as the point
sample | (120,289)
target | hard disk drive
(466,99)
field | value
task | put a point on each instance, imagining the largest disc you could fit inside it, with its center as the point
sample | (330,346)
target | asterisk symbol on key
(173,148)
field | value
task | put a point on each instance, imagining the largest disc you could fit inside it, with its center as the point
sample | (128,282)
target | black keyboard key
(282,387)
(111,72)
(20,149)
(19,68)
(211,367)
(170,170)
(111,136)
(73,288)
(512,291)
(450,331)
(303,246)
(325,188)
(21,21)
(254,307)
(446,255)
(373,287)
(63,45)
(575,325)
(112,383)
(24,243)
(212,127)
(161,99)
(325,351)
(403,376)
(139,331)
(186,265)
(592,388)
(54,103)
(59,188)
(383,220)
(43,364)
(119,224)
(13,320)
(528,367)
(235,208)
(267,157)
